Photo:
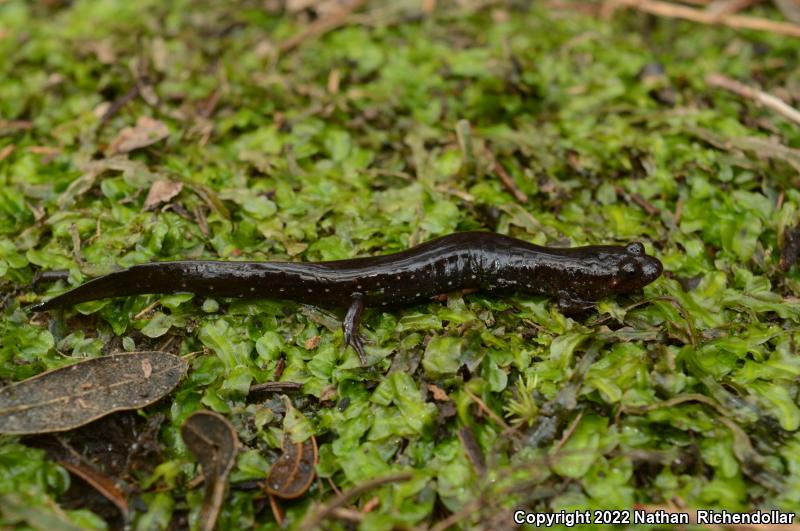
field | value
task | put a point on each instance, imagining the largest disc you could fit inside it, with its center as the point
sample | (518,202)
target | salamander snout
(651,269)
(639,269)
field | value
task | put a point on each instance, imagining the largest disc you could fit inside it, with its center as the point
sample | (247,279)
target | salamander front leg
(571,305)
(351,323)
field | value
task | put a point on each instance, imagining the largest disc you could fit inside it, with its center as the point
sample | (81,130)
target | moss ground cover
(388,131)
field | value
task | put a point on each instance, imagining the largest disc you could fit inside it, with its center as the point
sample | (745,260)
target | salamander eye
(635,248)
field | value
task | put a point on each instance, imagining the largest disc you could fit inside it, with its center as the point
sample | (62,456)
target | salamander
(575,277)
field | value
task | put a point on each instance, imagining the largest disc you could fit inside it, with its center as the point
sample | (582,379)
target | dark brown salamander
(576,277)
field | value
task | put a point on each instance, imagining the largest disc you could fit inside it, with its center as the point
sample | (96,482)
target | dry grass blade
(68,397)
(670,10)
(763,98)
(315,518)
(101,483)
(321,26)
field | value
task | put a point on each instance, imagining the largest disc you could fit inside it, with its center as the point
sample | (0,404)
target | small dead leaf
(213,441)
(44,150)
(68,397)
(104,50)
(791,248)
(80,466)
(329,392)
(472,449)
(147,368)
(160,55)
(295,469)
(8,127)
(210,198)
(92,170)
(6,151)
(438,393)
(162,191)
(147,131)
(371,505)
(312,342)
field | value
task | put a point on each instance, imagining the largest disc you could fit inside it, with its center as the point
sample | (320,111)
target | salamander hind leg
(351,324)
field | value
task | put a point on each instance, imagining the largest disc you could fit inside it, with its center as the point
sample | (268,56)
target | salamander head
(635,269)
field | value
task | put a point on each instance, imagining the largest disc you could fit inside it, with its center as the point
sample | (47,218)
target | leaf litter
(213,441)
(71,396)
(376,129)
(292,474)
(146,132)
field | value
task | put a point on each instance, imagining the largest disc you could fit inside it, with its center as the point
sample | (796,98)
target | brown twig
(117,105)
(277,512)
(143,313)
(721,8)
(273,387)
(466,145)
(667,9)
(348,515)
(578,7)
(759,96)
(567,434)
(313,521)
(508,182)
(483,407)
(679,204)
(321,26)
(473,450)
(638,200)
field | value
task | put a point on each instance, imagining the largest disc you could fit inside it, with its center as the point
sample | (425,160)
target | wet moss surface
(402,125)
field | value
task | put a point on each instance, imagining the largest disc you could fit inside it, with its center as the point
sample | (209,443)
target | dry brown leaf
(438,393)
(10,127)
(131,169)
(473,449)
(295,469)
(312,342)
(213,441)
(790,253)
(103,484)
(162,191)
(147,131)
(71,396)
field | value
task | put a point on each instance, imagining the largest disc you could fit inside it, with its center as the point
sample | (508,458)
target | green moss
(275,165)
